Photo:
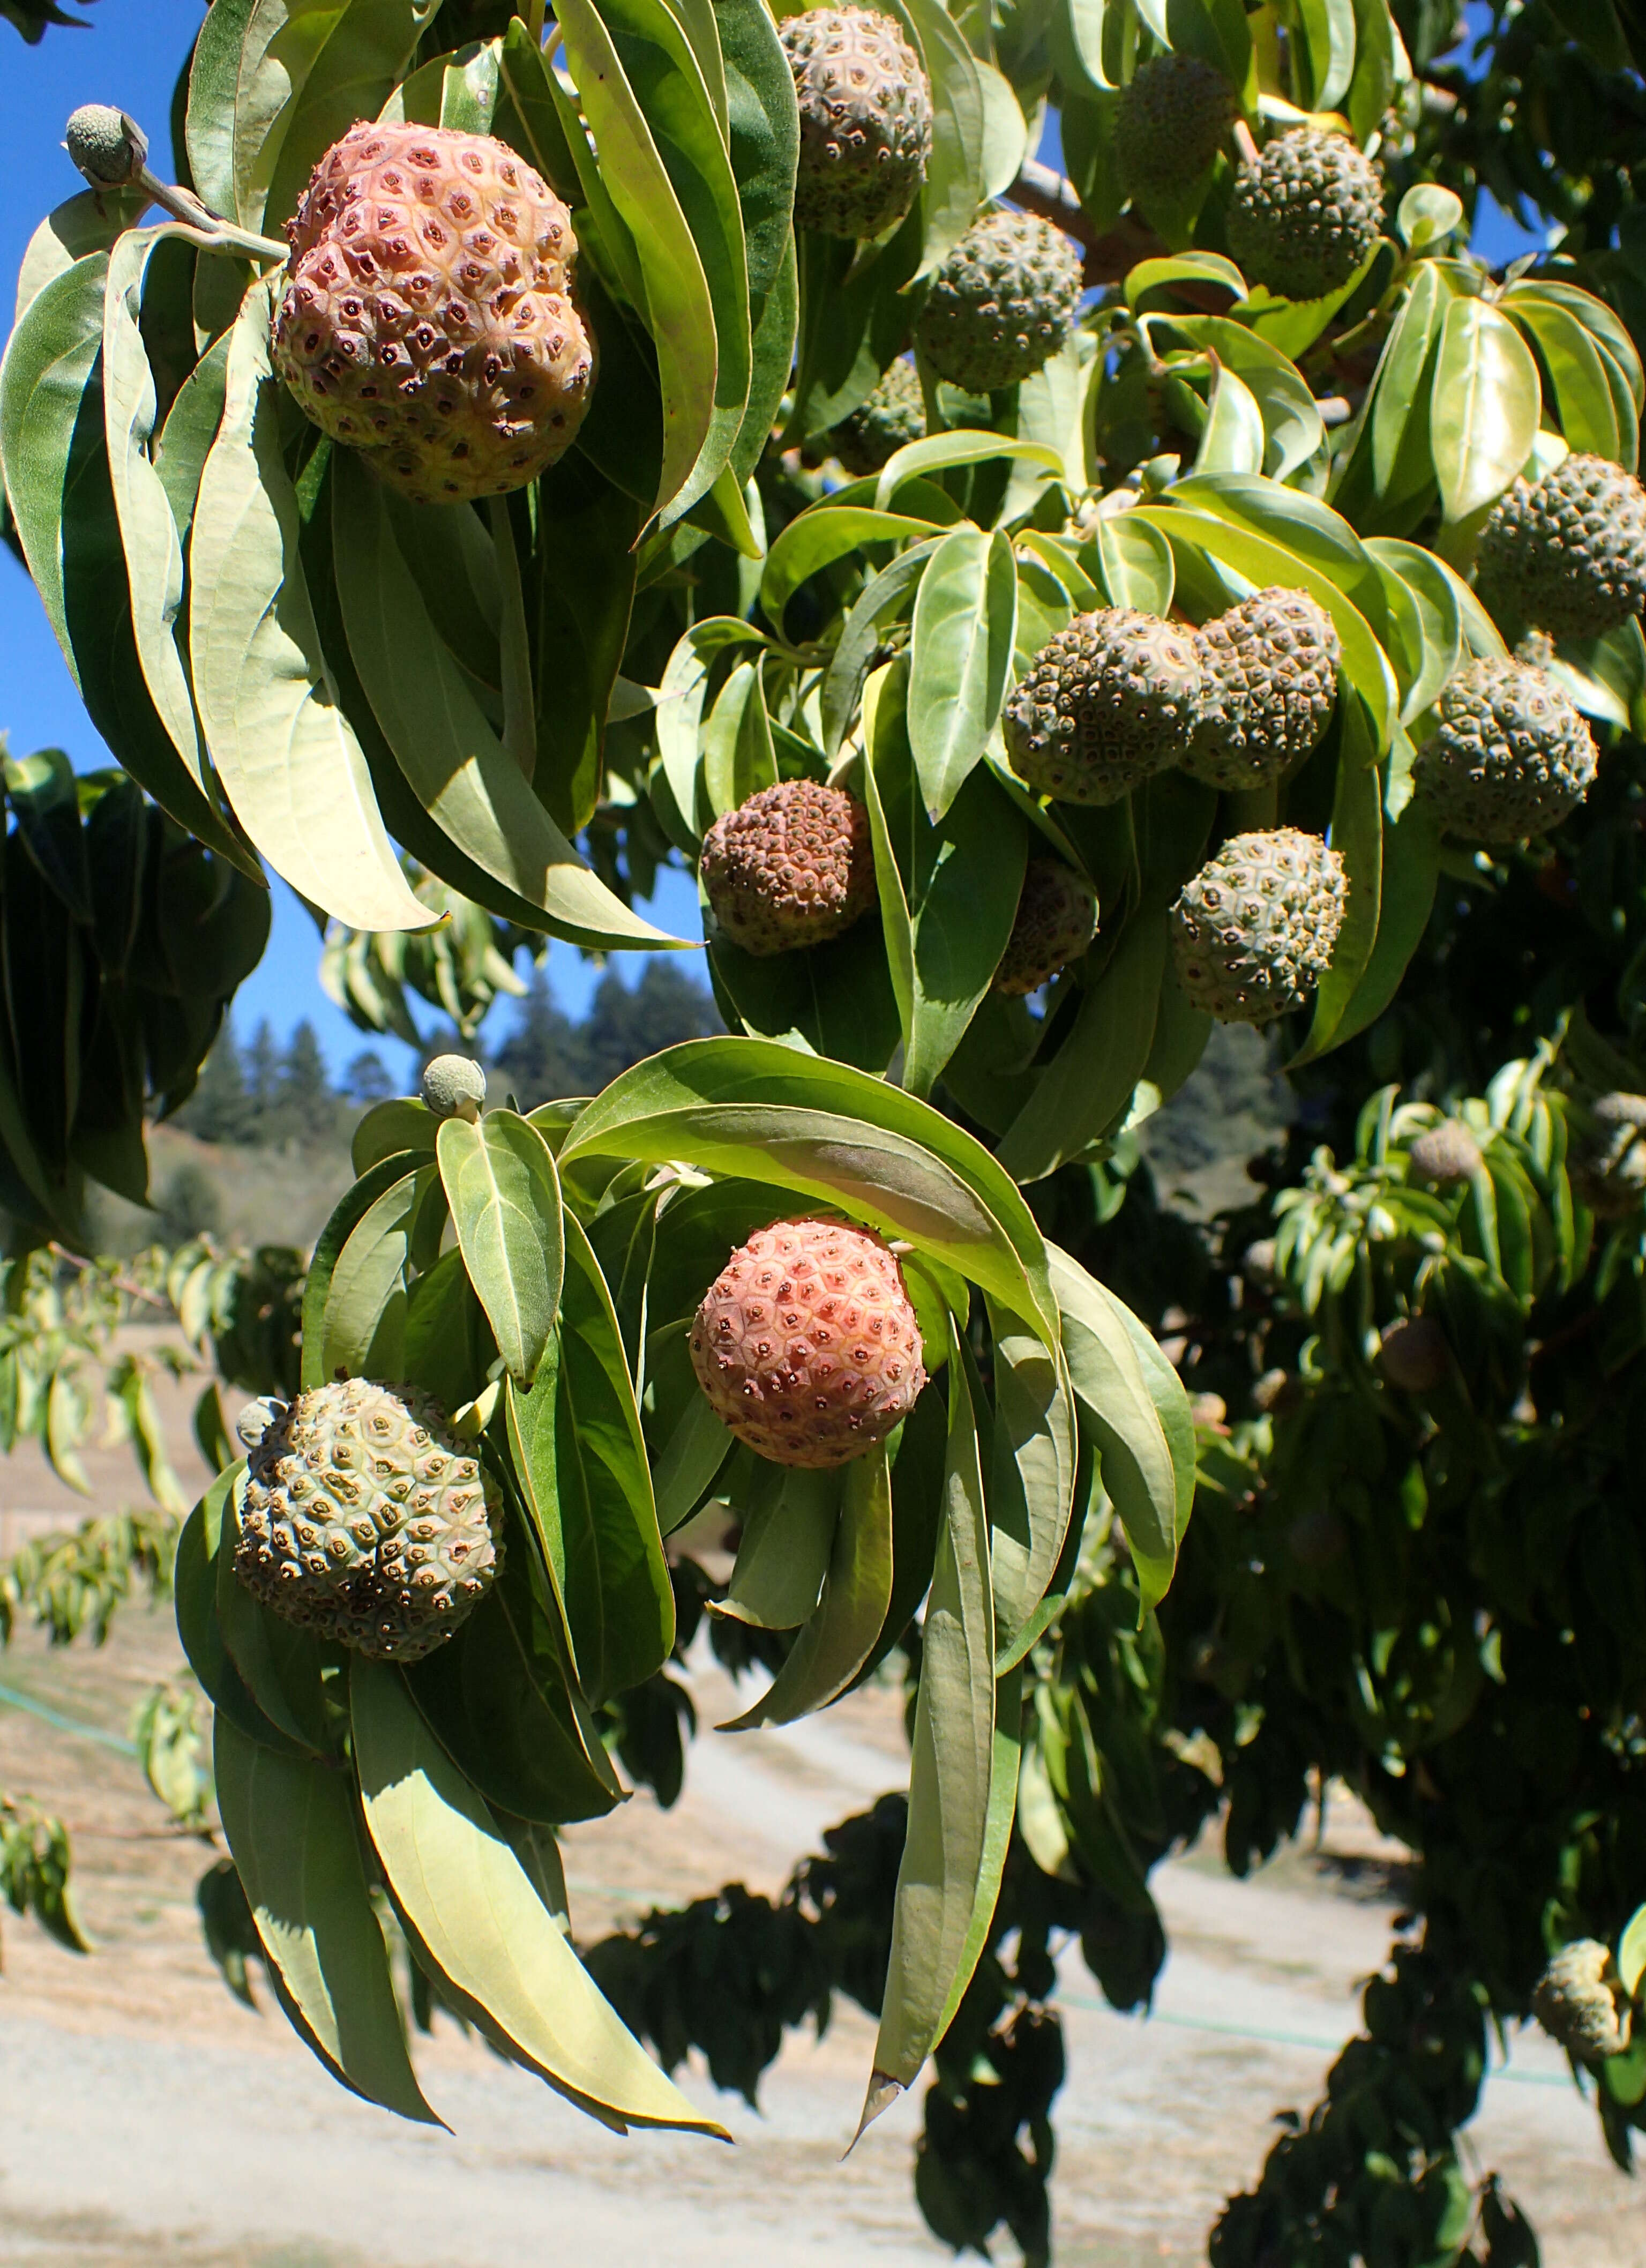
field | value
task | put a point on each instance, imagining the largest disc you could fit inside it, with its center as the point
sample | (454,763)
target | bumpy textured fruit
(1575,2005)
(1306,213)
(1168,124)
(107,146)
(792,866)
(1253,932)
(894,414)
(1057,918)
(366,1519)
(1002,302)
(1508,756)
(1415,1355)
(453,1087)
(1567,554)
(1609,1159)
(806,1344)
(427,318)
(1268,682)
(1110,701)
(865,120)
(1445,1154)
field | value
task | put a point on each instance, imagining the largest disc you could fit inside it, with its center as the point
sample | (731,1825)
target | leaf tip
(883,2093)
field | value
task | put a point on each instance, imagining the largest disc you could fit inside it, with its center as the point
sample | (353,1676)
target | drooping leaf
(504,1193)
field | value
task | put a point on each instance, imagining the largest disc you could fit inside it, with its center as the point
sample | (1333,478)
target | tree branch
(1040,190)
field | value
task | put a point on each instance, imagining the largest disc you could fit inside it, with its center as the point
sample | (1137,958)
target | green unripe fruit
(1056,920)
(365,1520)
(1110,701)
(1169,124)
(865,120)
(1566,555)
(1575,2005)
(1002,303)
(1269,683)
(453,1087)
(894,414)
(107,146)
(1305,215)
(1509,754)
(1253,932)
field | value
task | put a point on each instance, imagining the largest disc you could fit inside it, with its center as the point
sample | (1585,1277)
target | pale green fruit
(1445,1154)
(1253,932)
(107,147)
(453,1087)
(1109,702)
(1269,684)
(865,120)
(1169,124)
(894,415)
(1303,217)
(1566,555)
(1002,302)
(1575,2005)
(365,1520)
(1608,1166)
(1509,754)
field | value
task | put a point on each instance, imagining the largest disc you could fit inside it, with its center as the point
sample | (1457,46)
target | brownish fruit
(792,866)
(427,318)
(1445,1154)
(806,1344)
(1415,1355)
(1057,919)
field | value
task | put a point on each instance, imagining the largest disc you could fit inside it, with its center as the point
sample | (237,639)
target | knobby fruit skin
(1002,302)
(865,120)
(105,144)
(1269,684)
(793,866)
(1303,217)
(453,1087)
(1253,932)
(1608,1166)
(894,414)
(365,1520)
(1509,754)
(1445,1154)
(1169,124)
(427,318)
(1566,555)
(1109,702)
(1056,920)
(1575,2005)
(806,1343)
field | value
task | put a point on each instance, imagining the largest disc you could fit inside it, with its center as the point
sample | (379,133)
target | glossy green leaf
(953,187)
(473,1913)
(817,538)
(1576,371)
(789,1524)
(950,1776)
(291,1828)
(1484,415)
(376,1182)
(1357,837)
(941,452)
(504,1193)
(834,1643)
(580,1456)
(195,1595)
(1032,1480)
(364,1328)
(966,622)
(388,1128)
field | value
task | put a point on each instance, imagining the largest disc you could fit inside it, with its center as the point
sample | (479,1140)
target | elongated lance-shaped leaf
(789,1525)
(951,1775)
(504,1193)
(837,1640)
(351,1210)
(965,623)
(1484,416)
(1031,1481)
(581,1456)
(476,1919)
(52,439)
(364,1328)
(291,1828)
(453,761)
(286,754)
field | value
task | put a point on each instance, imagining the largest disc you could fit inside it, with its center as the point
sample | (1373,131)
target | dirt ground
(149,2117)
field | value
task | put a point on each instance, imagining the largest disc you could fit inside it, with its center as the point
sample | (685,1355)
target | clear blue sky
(130,57)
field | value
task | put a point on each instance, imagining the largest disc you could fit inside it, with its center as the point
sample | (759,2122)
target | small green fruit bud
(454,1087)
(256,1419)
(110,149)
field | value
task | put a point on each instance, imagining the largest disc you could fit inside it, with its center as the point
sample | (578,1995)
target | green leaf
(292,767)
(698,431)
(291,1828)
(195,1594)
(54,444)
(965,625)
(279,1663)
(586,592)
(836,1642)
(1357,835)
(1577,374)
(456,768)
(378,1181)
(1483,418)
(950,1778)
(580,1456)
(690,1459)
(953,187)
(477,1920)
(756,1107)
(504,1193)
(389,1127)
(1632,1952)
(1291,428)
(1031,1481)
(1411,874)
(941,452)
(1118,1404)
(816,538)
(364,1327)
(789,1524)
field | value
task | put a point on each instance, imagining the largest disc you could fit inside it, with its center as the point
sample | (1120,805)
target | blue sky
(130,58)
